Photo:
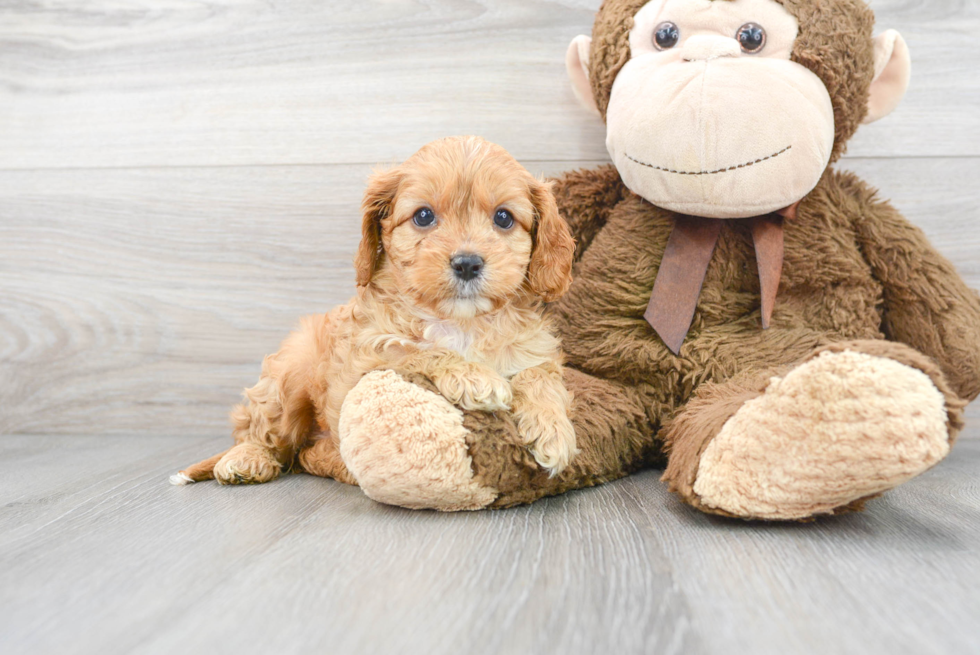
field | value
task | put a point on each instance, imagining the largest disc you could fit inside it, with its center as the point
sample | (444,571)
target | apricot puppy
(460,247)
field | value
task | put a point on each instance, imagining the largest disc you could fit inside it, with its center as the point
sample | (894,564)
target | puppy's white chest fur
(448,335)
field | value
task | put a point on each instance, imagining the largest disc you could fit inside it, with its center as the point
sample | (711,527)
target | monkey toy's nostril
(467,266)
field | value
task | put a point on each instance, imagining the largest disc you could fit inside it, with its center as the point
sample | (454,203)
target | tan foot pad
(841,427)
(406,446)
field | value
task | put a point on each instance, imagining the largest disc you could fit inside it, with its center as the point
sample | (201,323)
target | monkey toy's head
(733,108)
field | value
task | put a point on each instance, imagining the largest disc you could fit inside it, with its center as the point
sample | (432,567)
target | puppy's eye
(424,217)
(751,37)
(503,219)
(666,36)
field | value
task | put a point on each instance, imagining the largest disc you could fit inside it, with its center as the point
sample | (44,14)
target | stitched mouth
(714,172)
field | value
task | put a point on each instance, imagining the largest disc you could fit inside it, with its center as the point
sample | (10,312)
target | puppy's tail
(203,470)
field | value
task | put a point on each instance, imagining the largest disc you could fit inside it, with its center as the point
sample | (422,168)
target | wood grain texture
(98,554)
(145,83)
(143,301)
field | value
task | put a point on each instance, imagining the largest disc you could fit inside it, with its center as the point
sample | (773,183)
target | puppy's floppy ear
(377,205)
(550,270)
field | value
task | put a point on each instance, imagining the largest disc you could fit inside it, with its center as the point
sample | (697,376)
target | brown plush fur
(854,274)
(856,277)
(483,342)
(841,26)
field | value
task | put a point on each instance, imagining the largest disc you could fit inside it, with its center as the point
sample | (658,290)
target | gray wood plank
(142,301)
(133,564)
(99,554)
(898,578)
(304,82)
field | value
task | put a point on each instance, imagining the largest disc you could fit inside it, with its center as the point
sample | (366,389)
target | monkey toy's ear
(577,64)
(892,70)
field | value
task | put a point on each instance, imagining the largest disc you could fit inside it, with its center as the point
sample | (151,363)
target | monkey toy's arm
(927,305)
(585,198)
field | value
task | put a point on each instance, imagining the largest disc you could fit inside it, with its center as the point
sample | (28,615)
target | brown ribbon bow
(685,264)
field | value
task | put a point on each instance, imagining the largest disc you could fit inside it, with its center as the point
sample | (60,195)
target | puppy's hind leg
(276,421)
(322,458)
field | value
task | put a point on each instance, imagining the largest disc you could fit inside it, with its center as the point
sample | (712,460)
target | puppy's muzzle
(467,266)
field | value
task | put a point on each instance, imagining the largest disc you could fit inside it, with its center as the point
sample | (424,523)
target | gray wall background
(179,182)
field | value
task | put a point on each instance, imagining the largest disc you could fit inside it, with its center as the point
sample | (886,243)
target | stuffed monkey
(766,326)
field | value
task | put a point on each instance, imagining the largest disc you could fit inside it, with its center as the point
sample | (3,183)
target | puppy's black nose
(467,266)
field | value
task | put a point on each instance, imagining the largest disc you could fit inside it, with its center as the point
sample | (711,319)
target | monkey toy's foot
(840,428)
(407,446)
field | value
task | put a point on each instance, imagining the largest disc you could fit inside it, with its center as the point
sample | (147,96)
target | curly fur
(483,342)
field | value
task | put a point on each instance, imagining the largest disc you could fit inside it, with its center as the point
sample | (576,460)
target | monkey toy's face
(709,116)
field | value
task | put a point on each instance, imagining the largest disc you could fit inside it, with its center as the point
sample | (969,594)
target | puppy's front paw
(476,387)
(551,441)
(247,463)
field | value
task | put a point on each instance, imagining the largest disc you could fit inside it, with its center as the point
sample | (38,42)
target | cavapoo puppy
(460,247)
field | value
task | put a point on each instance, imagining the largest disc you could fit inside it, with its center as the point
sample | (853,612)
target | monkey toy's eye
(503,219)
(666,36)
(751,37)
(424,217)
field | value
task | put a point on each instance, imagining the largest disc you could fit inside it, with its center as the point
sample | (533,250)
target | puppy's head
(461,229)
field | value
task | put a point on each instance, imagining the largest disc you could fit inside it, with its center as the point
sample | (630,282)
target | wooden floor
(98,554)
(180,181)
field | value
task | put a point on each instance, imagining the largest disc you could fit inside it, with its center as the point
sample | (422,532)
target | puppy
(460,246)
